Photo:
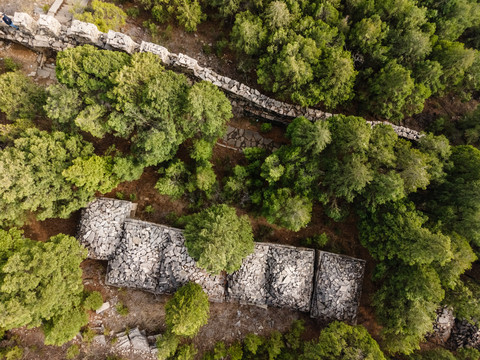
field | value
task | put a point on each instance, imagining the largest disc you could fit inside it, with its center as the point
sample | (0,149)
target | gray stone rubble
(136,341)
(443,325)
(337,287)
(47,34)
(244,138)
(101,226)
(154,258)
(275,275)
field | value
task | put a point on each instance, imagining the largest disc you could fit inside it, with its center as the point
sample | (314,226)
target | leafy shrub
(122,309)
(187,311)
(11,353)
(133,12)
(105,16)
(266,127)
(167,345)
(20,97)
(317,241)
(10,64)
(252,342)
(93,301)
(88,334)
(186,352)
(72,352)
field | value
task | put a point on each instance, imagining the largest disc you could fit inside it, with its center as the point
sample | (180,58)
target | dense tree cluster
(371,165)
(417,205)
(134,97)
(42,285)
(338,341)
(389,56)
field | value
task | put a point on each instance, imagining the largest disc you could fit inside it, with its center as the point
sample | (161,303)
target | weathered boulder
(25,22)
(121,41)
(48,25)
(156,49)
(85,31)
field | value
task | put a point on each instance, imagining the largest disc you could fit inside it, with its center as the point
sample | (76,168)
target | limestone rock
(85,31)
(121,41)
(25,22)
(49,25)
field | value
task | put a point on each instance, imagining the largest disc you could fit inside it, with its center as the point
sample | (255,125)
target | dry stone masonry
(101,226)
(338,287)
(49,33)
(275,275)
(244,138)
(154,258)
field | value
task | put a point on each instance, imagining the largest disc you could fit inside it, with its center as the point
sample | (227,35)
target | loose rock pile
(136,341)
(464,334)
(443,325)
(274,275)
(101,226)
(337,287)
(137,257)
(177,268)
(49,33)
(153,257)
(244,138)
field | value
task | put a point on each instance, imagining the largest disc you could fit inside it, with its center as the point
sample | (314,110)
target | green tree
(312,137)
(248,34)
(42,285)
(31,179)
(339,341)
(174,180)
(218,239)
(207,111)
(105,16)
(189,14)
(405,305)
(455,202)
(167,345)
(92,174)
(186,352)
(392,92)
(396,230)
(455,61)
(187,311)
(63,104)
(284,208)
(20,97)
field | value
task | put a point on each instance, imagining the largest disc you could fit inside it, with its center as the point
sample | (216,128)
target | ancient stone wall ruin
(49,33)
(154,258)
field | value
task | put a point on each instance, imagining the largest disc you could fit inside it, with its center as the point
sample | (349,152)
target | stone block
(121,42)
(84,31)
(156,49)
(49,25)
(25,22)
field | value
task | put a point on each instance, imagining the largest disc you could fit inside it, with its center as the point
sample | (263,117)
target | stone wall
(274,275)
(101,226)
(49,33)
(338,287)
(154,258)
